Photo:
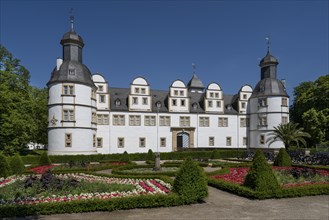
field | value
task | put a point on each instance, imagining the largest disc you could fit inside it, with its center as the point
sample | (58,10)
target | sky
(159,40)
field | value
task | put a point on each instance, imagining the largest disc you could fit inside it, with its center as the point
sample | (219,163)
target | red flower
(41,169)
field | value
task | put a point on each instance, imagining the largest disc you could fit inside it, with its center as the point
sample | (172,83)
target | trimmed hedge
(260,176)
(191,182)
(125,157)
(33,159)
(16,164)
(4,166)
(310,190)
(44,159)
(121,170)
(282,159)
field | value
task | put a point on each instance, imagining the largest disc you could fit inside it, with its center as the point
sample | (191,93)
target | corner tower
(72,102)
(268,104)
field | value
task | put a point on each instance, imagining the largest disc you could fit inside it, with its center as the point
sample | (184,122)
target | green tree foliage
(16,164)
(310,107)
(4,166)
(44,159)
(282,159)
(260,176)
(289,134)
(150,155)
(191,182)
(125,157)
(23,109)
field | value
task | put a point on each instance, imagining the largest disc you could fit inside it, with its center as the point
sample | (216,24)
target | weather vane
(268,42)
(194,68)
(71,18)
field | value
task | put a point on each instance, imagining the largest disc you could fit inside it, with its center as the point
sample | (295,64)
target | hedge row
(143,201)
(31,159)
(122,170)
(310,190)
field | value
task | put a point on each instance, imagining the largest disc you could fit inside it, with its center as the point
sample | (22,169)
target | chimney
(59,62)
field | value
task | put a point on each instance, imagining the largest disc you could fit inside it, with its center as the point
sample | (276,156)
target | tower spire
(194,68)
(72,20)
(268,43)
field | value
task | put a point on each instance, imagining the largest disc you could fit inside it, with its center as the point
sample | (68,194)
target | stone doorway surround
(175,130)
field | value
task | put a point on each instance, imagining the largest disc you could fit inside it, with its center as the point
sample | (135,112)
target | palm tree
(288,134)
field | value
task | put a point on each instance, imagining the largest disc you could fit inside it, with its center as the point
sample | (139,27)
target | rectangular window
(174,102)
(228,141)
(262,139)
(101,98)
(181,93)
(68,89)
(284,102)
(244,141)
(244,96)
(162,142)
(100,88)
(99,142)
(243,122)
(211,141)
(262,121)
(184,121)
(119,120)
(218,103)
(175,92)
(211,95)
(143,91)
(164,120)
(94,140)
(217,95)
(262,102)
(243,105)
(135,100)
(105,119)
(204,122)
(99,119)
(68,115)
(222,122)
(149,120)
(145,102)
(68,140)
(182,102)
(284,120)
(142,142)
(136,90)
(121,142)
(134,120)
(210,104)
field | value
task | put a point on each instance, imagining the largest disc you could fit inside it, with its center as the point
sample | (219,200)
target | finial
(268,42)
(194,68)
(72,19)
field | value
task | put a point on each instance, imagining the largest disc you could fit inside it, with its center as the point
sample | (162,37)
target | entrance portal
(183,140)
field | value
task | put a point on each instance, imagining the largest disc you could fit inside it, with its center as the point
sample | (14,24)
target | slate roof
(269,87)
(195,82)
(122,94)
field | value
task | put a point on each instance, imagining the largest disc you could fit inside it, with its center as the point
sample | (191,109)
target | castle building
(89,116)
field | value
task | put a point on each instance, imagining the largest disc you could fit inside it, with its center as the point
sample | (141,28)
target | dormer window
(135,101)
(100,88)
(210,104)
(217,95)
(182,102)
(143,90)
(218,104)
(175,92)
(181,93)
(244,96)
(71,72)
(211,95)
(117,102)
(136,90)
(174,102)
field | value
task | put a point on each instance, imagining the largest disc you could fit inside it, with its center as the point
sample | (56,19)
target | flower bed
(141,187)
(237,175)
(41,169)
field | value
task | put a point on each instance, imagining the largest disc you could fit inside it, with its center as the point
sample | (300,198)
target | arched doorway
(183,140)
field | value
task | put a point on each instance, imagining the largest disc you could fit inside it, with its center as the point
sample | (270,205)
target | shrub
(191,182)
(260,176)
(150,155)
(4,166)
(125,157)
(44,159)
(215,154)
(282,159)
(16,164)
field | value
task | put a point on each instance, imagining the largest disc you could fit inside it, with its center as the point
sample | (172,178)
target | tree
(288,134)
(23,109)
(310,107)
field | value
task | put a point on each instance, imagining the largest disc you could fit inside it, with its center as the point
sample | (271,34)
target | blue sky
(159,40)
